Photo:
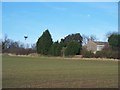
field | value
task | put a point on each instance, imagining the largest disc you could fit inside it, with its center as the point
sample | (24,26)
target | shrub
(73,48)
(87,54)
(55,49)
(101,54)
(107,54)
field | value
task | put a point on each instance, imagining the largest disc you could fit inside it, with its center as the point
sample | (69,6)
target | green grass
(43,72)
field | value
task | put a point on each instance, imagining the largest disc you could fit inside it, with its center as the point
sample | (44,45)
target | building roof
(101,43)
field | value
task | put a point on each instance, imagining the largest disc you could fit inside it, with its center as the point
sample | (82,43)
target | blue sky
(61,18)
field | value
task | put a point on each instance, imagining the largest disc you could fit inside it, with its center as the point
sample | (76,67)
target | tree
(72,37)
(87,54)
(73,48)
(74,41)
(55,49)
(33,46)
(108,34)
(92,37)
(114,41)
(85,39)
(5,44)
(44,43)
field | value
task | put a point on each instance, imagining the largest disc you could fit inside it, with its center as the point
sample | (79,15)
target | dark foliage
(107,54)
(73,48)
(72,37)
(114,41)
(72,44)
(55,49)
(87,54)
(44,43)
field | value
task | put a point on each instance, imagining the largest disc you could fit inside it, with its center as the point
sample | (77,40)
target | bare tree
(92,37)
(108,34)
(33,46)
(85,39)
(5,43)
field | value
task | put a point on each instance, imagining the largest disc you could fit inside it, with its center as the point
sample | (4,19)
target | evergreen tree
(73,48)
(72,37)
(44,43)
(69,40)
(55,49)
(114,41)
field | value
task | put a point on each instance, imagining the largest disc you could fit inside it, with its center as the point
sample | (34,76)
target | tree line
(70,45)
(16,47)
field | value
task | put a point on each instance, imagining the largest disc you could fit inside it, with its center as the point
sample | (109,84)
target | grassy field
(44,72)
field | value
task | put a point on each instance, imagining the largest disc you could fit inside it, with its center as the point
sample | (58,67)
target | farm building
(95,45)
